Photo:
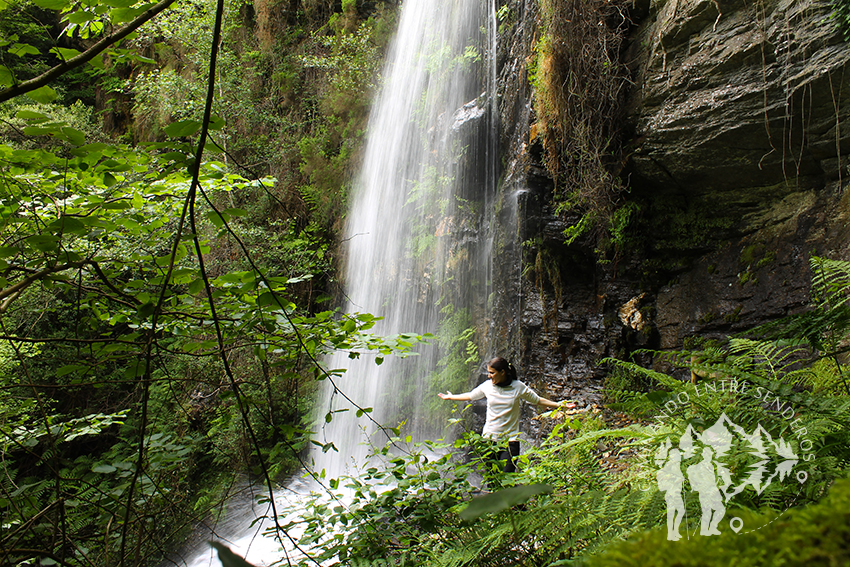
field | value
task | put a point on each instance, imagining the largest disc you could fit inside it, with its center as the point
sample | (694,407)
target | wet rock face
(732,95)
(737,116)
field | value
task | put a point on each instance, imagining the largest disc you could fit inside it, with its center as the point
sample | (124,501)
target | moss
(685,224)
(735,316)
(754,256)
(812,535)
(769,258)
(750,253)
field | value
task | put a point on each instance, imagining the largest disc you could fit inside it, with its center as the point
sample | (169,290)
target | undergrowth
(769,407)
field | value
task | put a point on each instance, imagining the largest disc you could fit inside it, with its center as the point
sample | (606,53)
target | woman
(503,393)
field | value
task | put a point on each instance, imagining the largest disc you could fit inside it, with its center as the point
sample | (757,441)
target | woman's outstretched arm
(455,397)
(555,405)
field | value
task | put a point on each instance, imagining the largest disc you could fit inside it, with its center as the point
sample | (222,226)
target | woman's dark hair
(500,364)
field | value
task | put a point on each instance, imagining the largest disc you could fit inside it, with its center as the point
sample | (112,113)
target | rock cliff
(737,168)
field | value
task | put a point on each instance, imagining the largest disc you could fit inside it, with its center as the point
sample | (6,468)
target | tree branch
(13,291)
(85,56)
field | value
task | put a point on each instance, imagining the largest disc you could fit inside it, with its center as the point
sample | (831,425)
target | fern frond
(830,281)
(765,356)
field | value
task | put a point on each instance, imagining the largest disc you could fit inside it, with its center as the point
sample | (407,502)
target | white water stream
(418,246)
(425,185)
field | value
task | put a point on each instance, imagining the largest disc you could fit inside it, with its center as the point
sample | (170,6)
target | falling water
(418,245)
(417,250)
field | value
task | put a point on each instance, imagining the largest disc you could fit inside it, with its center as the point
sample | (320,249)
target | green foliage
(410,510)
(18,119)
(227,557)
(173,349)
(813,535)
(159,320)
(502,500)
(348,60)
(841,16)
(579,84)
(26,42)
(296,108)
(456,337)
(422,506)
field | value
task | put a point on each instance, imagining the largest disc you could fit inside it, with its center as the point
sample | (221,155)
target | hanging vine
(579,83)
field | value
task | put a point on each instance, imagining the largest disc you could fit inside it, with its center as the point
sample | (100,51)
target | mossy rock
(818,534)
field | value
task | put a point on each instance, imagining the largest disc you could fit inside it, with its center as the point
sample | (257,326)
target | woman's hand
(566,404)
(455,397)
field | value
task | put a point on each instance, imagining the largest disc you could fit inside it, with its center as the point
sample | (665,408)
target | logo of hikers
(700,462)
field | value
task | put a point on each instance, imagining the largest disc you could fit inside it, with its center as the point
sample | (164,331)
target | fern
(559,531)
(830,282)
(826,324)
(766,358)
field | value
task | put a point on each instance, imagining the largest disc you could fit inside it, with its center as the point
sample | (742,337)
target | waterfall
(418,250)
(417,253)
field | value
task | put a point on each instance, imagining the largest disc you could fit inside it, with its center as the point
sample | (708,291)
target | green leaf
(502,500)
(43,95)
(43,242)
(80,17)
(267,298)
(69,369)
(64,53)
(97,63)
(51,4)
(73,135)
(218,219)
(227,557)
(233,212)
(196,286)
(182,128)
(141,59)
(67,224)
(9,251)
(22,49)
(40,130)
(32,115)
(6,76)
(121,15)
(146,310)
